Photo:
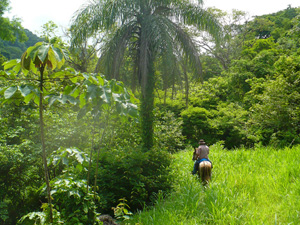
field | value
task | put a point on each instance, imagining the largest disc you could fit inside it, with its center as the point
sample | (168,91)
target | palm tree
(148,29)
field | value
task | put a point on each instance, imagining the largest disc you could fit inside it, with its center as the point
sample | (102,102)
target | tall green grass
(249,186)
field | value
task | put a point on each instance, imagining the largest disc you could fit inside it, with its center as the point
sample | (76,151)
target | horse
(204,170)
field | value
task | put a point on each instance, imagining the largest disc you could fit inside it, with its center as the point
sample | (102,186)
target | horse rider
(201,155)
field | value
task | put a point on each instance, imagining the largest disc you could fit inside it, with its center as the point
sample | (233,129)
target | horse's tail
(205,171)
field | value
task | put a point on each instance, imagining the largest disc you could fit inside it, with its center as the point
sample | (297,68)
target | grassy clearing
(256,186)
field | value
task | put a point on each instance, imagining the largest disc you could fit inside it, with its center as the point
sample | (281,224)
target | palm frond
(113,50)
(99,15)
(195,15)
(189,49)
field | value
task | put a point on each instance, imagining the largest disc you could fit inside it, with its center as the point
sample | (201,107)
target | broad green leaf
(74,79)
(86,76)
(11,63)
(132,110)
(61,98)
(68,89)
(75,92)
(3,74)
(65,161)
(116,87)
(37,62)
(9,92)
(29,97)
(59,74)
(52,99)
(120,108)
(106,96)
(66,98)
(56,160)
(79,167)
(37,100)
(100,80)
(25,90)
(93,91)
(79,157)
(82,100)
(94,80)
(30,49)
(117,97)
(17,68)
(25,61)
(58,54)
(42,52)
(52,59)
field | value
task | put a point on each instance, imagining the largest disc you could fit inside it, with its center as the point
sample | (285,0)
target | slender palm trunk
(147,106)
(43,144)
(134,78)
(186,81)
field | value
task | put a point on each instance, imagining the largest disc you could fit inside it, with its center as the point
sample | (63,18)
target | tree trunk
(186,80)
(134,78)
(147,106)
(43,144)
(90,161)
(98,154)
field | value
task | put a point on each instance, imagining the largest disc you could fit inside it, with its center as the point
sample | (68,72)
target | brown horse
(204,170)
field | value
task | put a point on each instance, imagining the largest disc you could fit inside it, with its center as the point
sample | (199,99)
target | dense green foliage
(249,186)
(256,96)
(10,30)
(148,31)
(249,98)
(15,49)
(14,40)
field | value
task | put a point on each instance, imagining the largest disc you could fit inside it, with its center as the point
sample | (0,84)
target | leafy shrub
(196,125)
(75,204)
(41,218)
(229,120)
(66,161)
(173,105)
(72,198)
(168,132)
(133,174)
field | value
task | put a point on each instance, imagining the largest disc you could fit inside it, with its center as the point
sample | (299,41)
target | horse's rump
(205,171)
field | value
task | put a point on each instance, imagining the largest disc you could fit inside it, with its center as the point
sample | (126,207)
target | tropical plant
(148,29)
(34,63)
(95,94)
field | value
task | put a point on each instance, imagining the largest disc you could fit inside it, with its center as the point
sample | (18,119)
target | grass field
(249,186)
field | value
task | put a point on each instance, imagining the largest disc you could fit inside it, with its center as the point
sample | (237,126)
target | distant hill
(13,50)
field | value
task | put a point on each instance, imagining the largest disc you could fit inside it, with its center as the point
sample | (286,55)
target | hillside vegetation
(249,186)
(106,118)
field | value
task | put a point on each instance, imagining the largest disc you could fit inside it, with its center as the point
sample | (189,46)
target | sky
(35,13)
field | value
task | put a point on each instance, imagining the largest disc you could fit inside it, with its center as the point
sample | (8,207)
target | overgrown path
(255,186)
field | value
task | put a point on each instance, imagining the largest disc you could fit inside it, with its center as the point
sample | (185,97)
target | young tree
(148,29)
(36,59)
(95,94)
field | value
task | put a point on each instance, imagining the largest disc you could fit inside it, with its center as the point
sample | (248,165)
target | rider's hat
(202,142)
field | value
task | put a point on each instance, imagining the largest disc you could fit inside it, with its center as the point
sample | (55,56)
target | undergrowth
(249,186)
